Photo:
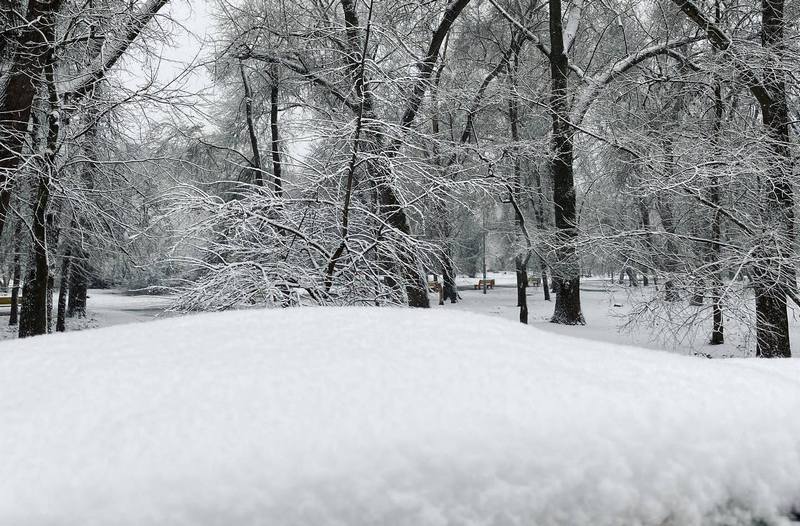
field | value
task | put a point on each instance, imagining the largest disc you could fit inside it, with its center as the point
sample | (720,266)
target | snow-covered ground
(106,307)
(606,306)
(387,416)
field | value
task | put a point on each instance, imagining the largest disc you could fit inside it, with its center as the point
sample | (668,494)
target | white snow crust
(352,416)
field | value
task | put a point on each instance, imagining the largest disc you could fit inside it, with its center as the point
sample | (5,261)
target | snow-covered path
(115,307)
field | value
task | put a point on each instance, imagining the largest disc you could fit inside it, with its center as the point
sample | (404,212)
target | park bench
(5,301)
(489,284)
(534,281)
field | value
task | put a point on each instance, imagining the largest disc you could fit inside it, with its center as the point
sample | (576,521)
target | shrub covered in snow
(387,416)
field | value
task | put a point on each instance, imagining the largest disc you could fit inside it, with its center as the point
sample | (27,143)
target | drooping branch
(304,71)
(597,83)
(720,40)
(105,59)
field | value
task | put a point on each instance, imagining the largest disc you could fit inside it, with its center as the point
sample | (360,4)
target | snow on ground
(324,416)
(115,307)
(500,279)
(105,307)
(606,306)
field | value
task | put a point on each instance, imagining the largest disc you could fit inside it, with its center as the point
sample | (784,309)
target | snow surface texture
(321,417)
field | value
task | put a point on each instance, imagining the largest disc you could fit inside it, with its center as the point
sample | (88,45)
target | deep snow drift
(386,416)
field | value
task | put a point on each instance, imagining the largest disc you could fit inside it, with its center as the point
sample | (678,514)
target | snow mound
(349,416)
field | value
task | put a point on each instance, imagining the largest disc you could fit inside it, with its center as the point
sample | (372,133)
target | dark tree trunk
(51,283)
(76,304)
(40,287)
(258,178)
(78,283)
(715,252)
(277,177)
(538,212)
(62,291)
(545,284)
(16,103)
(26,317)
(520,262)
(771,283)
(772,320)
(442,219)
(522,286)
(449,290)
(37,288)
(566,271)
(380,168)
(13,317)
(632,281)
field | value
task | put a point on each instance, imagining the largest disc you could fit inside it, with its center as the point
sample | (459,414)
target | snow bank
(321,417)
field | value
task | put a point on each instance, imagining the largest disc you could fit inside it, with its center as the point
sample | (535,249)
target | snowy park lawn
(387,416)
(606,307)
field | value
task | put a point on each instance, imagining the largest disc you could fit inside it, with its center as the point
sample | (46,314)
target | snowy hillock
(387,416)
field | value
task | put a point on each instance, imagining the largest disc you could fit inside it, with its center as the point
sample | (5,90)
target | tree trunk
(26,315)
(40,286)
(258,178)
(632,281)
(545,284)
(772,320)
(522,286)
(78,282)
(277,177)
(62,291)
(449,289)
(770,283)
(380,168)
(566,269)
(715,252)
(20,87)
(13,317)
(520,262)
